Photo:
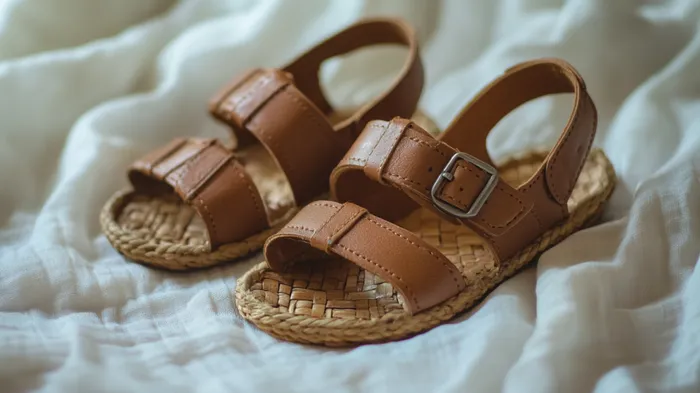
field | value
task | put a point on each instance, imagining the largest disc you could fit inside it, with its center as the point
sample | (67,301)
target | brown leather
(391,252)
(286,112)
(391,169)
(401,97)
(511,218)
(291,128)
(206,175)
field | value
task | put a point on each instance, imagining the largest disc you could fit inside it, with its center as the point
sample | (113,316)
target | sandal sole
(342,305)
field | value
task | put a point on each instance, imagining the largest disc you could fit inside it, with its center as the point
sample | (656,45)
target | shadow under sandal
(196,202)
(338,274)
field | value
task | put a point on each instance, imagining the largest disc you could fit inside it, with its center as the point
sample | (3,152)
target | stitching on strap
(256,202)
(320,228)
(379,140)
(352,217)
(176,146)
(238,102)
(324,204)
(215,169)
(210,219)
(408,180)
(390,153)
(300,227)
(532,182)
(394,143)
(254,112)
(426,144)
(231,89)
(450,271)
(186,164)
(186,168)
(360,161)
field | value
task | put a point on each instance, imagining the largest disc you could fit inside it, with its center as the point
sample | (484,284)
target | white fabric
(87,86)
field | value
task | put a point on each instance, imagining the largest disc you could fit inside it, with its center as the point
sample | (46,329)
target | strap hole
(461,188)
(430,169)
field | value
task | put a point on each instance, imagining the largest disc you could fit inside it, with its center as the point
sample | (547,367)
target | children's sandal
(196,203)
(338,274)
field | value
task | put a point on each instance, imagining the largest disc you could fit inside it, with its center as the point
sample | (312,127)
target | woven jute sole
(336,303)
(165,232)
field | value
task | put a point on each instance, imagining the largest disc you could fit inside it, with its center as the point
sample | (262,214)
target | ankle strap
(454,176)
(517,86)
(403,94)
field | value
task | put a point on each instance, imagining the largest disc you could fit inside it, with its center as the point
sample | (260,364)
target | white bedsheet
(87,86)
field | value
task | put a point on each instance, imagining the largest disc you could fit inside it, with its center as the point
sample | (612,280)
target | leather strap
(401,97)
(205,175)
(404,156)
(422,275)
(286,111)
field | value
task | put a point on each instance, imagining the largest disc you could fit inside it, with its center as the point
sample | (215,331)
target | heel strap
(404,92)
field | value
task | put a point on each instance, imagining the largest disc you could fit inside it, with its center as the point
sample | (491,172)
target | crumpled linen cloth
(87,86)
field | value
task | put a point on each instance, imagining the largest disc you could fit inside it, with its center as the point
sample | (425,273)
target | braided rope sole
(166,233)
(319,305)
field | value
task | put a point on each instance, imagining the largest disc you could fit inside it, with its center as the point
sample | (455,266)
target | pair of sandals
(417,229)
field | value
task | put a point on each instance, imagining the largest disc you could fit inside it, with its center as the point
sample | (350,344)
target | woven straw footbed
(336,303)
(165,232)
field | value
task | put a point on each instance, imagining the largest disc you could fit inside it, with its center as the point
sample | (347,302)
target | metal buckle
(447,175)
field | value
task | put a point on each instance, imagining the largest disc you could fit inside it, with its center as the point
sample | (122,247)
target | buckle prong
(447,175)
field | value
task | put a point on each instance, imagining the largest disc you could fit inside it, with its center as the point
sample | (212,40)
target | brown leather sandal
(338,274)
(196,203)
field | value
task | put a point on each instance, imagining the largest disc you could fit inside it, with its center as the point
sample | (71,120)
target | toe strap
(205,175)
(422,275)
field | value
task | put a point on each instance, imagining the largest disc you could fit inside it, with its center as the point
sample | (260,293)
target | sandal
(196,203)
(338,274)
